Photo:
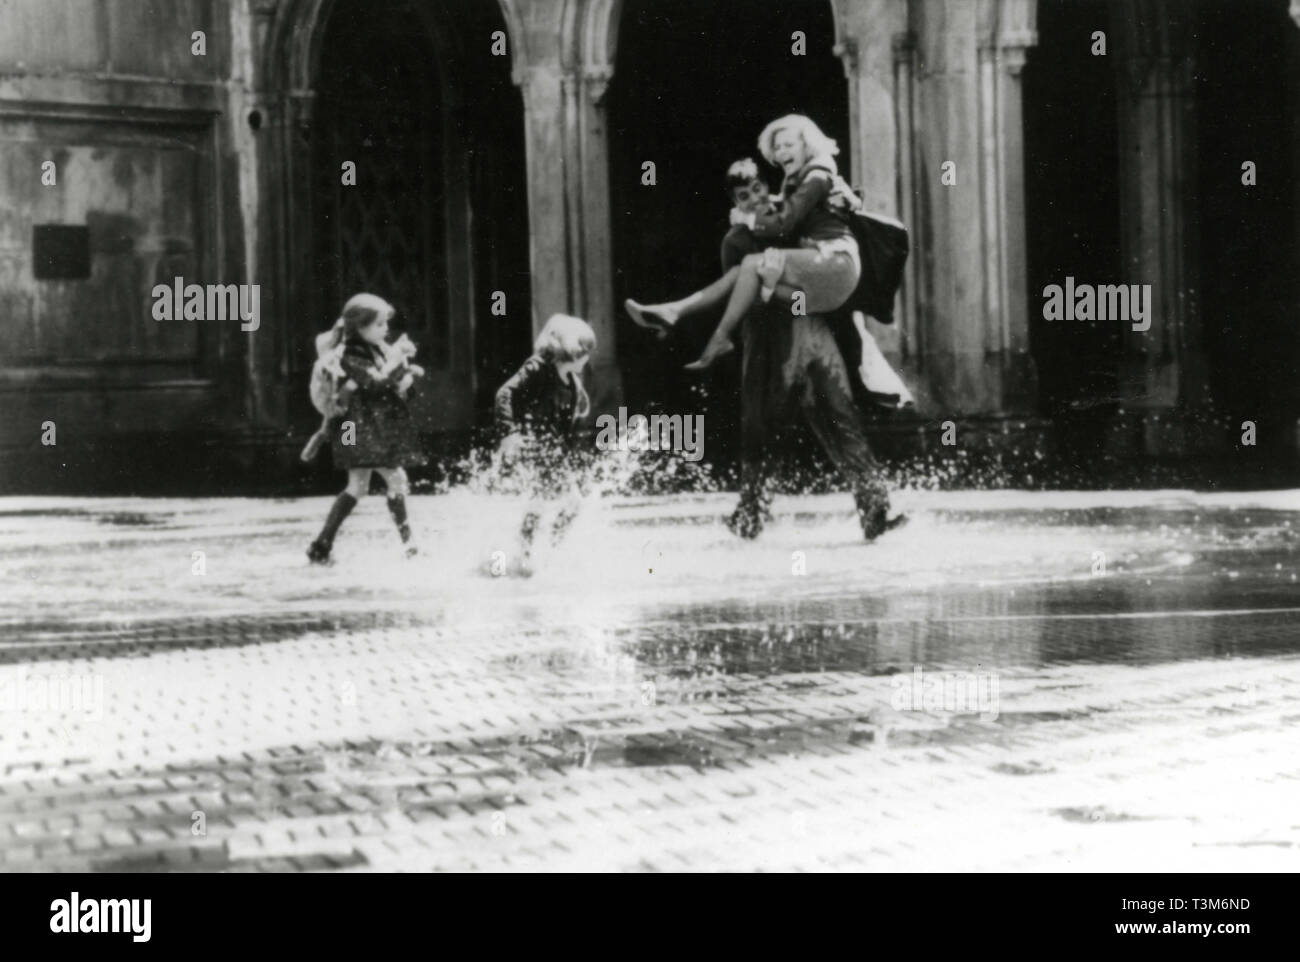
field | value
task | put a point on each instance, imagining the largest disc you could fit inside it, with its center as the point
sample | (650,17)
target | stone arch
(481,227)
(290,55)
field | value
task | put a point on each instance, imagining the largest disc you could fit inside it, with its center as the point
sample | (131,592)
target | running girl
(537,411)
(376,434)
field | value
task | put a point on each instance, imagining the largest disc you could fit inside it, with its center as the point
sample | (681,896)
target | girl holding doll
(376,434)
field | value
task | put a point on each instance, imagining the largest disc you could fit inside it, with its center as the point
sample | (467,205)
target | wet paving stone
(1011,677)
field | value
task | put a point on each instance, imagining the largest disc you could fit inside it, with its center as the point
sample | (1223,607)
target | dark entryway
(1248,99)
(1246,86)
(1072,203)
(385,234)
(437,220)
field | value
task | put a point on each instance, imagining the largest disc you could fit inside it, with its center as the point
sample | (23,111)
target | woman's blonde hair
(565,338)
(821,148)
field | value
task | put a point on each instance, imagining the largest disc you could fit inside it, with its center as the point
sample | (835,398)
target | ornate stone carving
(1013,49)
(596,80)
(847,51)
(1156,50)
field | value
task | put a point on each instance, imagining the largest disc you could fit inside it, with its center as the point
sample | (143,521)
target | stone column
(1163,367)
(248,239)
(594,241)
(867,30)
(1002,59)
(564,82)
(948,229)
(549,254)
(907,319)
(969,233)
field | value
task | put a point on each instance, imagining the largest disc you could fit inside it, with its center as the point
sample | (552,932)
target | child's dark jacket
(385,434)
(536,401)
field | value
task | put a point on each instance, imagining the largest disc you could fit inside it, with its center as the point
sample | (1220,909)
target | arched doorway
(437,219)
(385,233)
(1072,205)
(695,84)
(1228,252)
(1248,99)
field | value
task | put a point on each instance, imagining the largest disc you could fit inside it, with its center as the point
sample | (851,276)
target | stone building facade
(496,152)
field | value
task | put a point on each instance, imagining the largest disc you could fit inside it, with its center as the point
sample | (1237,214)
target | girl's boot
(872,501)
(319,551)
(526,533)
(397,508)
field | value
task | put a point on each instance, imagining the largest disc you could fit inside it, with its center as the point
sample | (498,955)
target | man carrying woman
(792,365)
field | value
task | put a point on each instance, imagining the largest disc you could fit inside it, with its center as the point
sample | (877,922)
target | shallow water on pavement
(975,579)
(654,687)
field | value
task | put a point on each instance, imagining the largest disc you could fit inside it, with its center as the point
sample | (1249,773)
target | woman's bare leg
(743,296)
(662,316)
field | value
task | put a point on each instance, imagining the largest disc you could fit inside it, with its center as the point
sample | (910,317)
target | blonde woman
(823,266)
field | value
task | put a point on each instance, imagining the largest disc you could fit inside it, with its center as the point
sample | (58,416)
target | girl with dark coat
(376,435)
(537,411)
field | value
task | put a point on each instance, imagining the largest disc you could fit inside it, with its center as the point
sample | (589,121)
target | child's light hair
(820,148)
(565,338)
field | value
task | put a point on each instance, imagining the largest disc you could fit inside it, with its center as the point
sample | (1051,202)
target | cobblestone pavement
(1013,681)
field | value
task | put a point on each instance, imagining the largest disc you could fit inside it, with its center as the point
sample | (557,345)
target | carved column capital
(1159,75)
(1010,49)
(904,46)
(1156,49)
(847,51)
(299,106)
(535,82)
(597,80)
(1014,47)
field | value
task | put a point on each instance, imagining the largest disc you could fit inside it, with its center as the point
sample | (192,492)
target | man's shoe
(873,511)
(746,522)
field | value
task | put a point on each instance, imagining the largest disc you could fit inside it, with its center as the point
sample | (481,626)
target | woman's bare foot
(716,348)
(655,318)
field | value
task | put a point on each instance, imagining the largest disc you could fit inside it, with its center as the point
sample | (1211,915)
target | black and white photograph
(651,436)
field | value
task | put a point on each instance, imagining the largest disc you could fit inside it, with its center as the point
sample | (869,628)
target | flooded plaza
(1013,680)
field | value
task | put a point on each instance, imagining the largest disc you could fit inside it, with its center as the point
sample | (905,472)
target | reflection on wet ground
(378,700)
(1188,582)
